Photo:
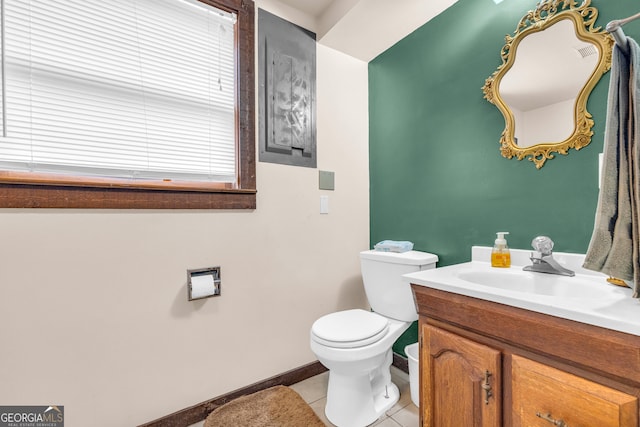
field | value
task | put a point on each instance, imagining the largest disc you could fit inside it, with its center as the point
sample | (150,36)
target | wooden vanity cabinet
(488,364)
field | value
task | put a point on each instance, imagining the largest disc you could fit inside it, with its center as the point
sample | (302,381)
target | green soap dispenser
(500,255)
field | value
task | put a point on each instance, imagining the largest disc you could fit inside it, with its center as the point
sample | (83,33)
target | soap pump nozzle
(501,241)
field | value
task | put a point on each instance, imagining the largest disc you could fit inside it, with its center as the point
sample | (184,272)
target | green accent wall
(437,177)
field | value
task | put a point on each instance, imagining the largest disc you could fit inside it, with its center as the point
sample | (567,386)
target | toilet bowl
(359,374)
(355,345)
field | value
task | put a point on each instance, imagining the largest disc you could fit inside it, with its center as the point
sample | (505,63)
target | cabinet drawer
(542,395)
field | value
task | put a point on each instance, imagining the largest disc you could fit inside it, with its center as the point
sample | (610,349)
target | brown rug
(277,406)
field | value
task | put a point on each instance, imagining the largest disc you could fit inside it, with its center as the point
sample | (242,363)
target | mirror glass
(549,68)
(543,84)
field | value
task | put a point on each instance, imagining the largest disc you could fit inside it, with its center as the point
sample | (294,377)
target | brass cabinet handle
(487,387)
(558,423)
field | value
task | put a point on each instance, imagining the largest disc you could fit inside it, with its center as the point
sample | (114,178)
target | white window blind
(119,88)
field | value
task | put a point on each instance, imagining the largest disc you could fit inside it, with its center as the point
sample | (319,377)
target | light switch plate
(327,180)
(324,204)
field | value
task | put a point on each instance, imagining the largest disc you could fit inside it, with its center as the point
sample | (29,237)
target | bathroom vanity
(532,356)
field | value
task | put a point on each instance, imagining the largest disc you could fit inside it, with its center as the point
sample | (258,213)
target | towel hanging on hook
(615,242)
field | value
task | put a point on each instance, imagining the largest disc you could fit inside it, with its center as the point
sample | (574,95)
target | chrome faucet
(542,258)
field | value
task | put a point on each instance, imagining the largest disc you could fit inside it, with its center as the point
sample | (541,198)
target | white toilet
(355,345)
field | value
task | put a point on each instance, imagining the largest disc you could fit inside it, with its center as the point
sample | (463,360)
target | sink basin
(536,283)
(585,297)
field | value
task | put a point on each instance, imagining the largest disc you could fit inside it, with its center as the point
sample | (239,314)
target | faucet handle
(543,244)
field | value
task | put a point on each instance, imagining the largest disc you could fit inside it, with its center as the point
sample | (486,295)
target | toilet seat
(349,328)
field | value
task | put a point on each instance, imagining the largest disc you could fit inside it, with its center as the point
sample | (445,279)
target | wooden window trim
(25,190)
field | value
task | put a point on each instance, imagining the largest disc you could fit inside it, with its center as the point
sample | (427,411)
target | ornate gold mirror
(549,67)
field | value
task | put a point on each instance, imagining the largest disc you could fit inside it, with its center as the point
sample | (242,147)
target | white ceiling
(311,7)
(366,28)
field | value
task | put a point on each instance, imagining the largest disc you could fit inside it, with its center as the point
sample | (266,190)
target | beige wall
(93,308)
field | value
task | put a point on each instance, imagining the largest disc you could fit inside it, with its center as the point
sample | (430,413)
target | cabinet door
(461,381)
(546,397)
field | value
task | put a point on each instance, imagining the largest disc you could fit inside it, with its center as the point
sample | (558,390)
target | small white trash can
(412,352)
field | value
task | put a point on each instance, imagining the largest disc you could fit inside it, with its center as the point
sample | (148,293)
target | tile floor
(404,414)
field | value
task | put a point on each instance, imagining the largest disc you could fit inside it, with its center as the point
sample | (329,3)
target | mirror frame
(547,13)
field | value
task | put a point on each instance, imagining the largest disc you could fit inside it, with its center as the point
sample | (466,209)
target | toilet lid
(349,328)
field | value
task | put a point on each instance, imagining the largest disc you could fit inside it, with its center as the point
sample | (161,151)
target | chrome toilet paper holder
(203,283)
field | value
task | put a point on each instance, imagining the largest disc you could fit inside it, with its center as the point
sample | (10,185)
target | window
(127,103)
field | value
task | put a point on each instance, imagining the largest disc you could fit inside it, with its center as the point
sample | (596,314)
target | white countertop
(594,301)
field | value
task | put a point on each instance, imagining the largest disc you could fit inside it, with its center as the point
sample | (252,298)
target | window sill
(59,196)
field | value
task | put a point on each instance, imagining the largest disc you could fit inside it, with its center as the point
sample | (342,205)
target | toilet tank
(388,294)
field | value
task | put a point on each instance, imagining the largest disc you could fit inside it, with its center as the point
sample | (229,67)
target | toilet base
(357,401)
